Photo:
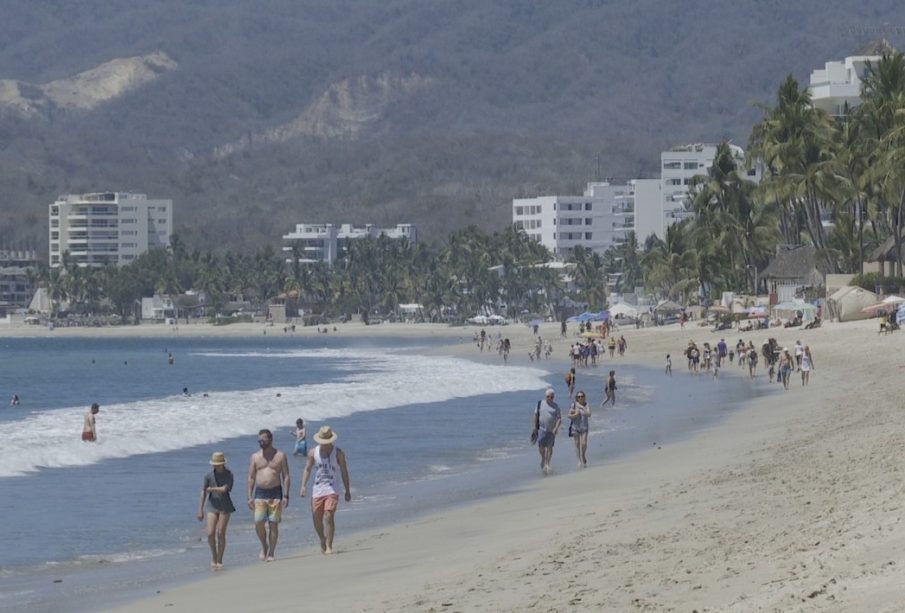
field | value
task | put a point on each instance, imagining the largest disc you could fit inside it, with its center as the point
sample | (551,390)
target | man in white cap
(547,420)
(326,459)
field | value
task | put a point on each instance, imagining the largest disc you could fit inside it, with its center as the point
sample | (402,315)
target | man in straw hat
(326,459)
(268,492)
(217,485)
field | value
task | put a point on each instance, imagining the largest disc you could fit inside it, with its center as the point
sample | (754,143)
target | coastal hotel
(326,242)
(108,228)
(604,216)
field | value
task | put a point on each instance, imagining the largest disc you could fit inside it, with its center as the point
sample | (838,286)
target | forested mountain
(255,116)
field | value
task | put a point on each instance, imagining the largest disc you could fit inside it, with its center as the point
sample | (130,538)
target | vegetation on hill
(514,97)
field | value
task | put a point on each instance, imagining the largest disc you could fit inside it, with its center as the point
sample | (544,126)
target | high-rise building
(108,227)
(16,288)
(836,88)
(598,220)
(326,242)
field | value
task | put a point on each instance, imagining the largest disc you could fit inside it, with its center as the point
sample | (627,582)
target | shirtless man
(325,495)
(89,430)
(268,492)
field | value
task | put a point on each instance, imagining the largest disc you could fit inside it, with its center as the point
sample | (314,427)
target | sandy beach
(791,504)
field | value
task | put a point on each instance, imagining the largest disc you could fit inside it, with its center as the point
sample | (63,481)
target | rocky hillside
(253,119)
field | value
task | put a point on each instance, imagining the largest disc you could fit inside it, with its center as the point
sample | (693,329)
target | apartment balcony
(624,209)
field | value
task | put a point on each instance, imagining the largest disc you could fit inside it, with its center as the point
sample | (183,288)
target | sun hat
(325,435)
(218,458)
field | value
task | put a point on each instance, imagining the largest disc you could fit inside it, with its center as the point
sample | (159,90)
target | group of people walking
(548,419)
(268,489)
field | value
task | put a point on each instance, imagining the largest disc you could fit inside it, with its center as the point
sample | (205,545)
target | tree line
(837,183)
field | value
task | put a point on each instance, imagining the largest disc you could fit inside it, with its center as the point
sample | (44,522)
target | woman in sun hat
(217,485)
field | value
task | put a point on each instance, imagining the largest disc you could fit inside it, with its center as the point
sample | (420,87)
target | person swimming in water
(301,441)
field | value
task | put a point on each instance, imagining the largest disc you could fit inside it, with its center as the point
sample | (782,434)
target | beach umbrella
(893,300)
(718,308)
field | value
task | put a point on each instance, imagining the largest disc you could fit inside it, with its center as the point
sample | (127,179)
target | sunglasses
(580,396)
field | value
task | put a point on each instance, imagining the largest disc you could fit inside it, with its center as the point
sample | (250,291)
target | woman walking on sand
(579,414)
(609,389)
(785,367)
(807,364)
(217,485)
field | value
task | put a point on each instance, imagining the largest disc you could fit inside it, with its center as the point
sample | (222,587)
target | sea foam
(375,381)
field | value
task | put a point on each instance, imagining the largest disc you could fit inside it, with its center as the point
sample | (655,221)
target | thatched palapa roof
(795,263)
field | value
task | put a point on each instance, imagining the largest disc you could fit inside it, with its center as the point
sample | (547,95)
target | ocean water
(90,525)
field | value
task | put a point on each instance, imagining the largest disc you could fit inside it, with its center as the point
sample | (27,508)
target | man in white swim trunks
(326,459)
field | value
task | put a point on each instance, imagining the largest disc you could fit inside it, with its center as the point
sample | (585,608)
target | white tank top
(325,471)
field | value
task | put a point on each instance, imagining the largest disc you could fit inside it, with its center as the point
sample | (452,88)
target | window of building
(691,165)
(587,236)
(752,172)
(54,236)
(588,221)
(686,181)
(54,223)
(672,165)
(519,210)
(587,206)
(674,181)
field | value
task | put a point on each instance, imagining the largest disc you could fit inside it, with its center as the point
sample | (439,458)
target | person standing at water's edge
(547,420)
(89,429)
(326,459)
(217,485)
(268,492)
(609,388)
(301,440)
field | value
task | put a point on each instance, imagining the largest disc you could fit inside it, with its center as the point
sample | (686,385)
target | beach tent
(667,306)
(791,308)
(590,316)
(624,309)
(847,303)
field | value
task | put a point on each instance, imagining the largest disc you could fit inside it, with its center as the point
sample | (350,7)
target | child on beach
(217,485)
(668,365)
(579,414)
(301,441)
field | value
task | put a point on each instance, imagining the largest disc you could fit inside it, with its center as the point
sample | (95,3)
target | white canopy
(623,309)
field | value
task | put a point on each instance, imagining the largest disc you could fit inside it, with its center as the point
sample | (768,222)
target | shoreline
(784,504)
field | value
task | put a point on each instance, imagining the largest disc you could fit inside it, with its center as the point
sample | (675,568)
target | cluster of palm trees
(504,272)
(837,183)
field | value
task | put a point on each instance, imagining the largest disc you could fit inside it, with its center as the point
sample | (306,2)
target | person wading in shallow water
(217,485)
(547,420)
(89,429)
(268,492)
(579,414)
(326,459)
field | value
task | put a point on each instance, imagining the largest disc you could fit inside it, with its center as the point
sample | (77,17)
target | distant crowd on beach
(779,361)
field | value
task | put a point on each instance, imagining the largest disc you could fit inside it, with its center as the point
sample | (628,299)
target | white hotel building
(836,88)
(327,242)
(598,220)
(108,228)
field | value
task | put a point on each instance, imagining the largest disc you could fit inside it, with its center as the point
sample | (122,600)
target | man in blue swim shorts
(268,484)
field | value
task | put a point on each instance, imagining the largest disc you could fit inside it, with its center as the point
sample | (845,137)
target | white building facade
(598,220)
(107,228)
(836,88)
(327,242)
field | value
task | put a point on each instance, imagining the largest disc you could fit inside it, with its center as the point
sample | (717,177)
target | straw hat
(325,435)
(218,458)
